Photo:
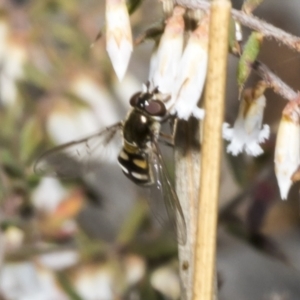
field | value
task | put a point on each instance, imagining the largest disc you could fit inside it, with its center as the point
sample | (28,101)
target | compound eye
(135,99)
(156,108)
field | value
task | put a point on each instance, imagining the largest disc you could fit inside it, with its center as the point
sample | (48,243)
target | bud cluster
(179,64)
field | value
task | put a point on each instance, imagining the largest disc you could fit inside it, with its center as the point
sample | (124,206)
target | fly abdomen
(136,167)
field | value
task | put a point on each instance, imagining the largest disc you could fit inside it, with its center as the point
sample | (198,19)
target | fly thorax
(139,128)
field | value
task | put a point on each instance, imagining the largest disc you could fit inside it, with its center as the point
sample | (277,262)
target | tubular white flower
(13,238)
(118,35)
(248,132)
(4,34)
(94,282)
(287,150)
(192,74)
(166,281)
(13,56)
(48,195)
(59,260)
(32,282)
(135,269)
(125,89)
(66,124)
(98,98)
(165,59)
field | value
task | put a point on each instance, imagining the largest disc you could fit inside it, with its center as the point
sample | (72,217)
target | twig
(274,81)
(250,21)
(205,252)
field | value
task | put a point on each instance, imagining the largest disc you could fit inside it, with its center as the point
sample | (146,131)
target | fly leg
(169,139)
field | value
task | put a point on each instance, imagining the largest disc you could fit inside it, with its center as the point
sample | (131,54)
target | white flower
(97,97)
(135,268)
(13,56)
(118,35)
(70,123)
(24,281)
(4,34)
(13,238)
(59,260)
(248,132)
(192,74)
(48,194)
(94,282)
(165,59)
(67,123)
(125,89)
(287,150)
(166,281)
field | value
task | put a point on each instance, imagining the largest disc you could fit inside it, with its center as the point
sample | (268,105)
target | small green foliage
(248,57)
(132,223)
(132,5)
(31,137)
(250,5)
(67,286)
(10,165)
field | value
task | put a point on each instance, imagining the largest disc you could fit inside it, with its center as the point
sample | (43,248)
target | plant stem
(205,252)
(274,81)
(187,147)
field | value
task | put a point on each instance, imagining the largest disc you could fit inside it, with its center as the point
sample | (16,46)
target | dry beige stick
(187,186)
(205,253)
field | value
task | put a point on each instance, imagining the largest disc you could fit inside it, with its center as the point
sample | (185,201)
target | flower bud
(118,35)
(287,150)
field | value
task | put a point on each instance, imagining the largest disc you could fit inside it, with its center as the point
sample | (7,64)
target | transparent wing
(79,157)
(164,192)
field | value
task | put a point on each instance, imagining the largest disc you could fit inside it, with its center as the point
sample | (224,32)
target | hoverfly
(139,158)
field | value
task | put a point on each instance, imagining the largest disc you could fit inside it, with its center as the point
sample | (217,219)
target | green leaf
(67,286)
(31,137)
(11,166)
(248,57)
(250,5)
(133,223)
(37,78)
(132,5)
